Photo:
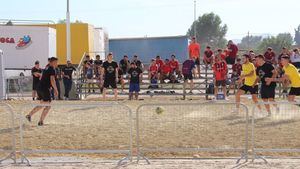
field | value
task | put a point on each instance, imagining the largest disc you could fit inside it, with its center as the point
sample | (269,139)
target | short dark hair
(260,56)
(247,56)
(173,56)
(97,56)
(208,47)
(167,60)
(157,56)
(87,56)
(36,62)
(135,56)
(238,59)
(220,50)
(52,59)
(132,63)
(125,56)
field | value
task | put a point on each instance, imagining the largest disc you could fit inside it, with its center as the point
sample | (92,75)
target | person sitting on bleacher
(137,62)
(159,63)
(153,74)
(175,66)
(165,71)
(125,64)
(208,56)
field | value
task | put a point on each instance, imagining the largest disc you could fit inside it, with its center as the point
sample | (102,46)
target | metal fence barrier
(276,134)
(81,128)
(179,129)
(7,133)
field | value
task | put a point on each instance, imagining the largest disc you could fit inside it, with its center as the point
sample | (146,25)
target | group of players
(254,69)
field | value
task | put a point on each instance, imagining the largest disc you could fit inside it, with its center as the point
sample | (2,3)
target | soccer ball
(159,110)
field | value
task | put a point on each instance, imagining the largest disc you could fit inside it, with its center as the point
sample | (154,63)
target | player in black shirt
(67,73)
(137,62)
(36,72)
(135,77)
(98,61)
(47,82)
(125,64)
(110,69)
(267,91)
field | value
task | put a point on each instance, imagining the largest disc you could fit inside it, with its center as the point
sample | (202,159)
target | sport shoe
(28,117)
(40,123)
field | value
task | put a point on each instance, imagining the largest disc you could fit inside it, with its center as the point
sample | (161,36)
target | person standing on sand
(44,91)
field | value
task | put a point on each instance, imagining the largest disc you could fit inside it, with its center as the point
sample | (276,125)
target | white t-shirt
(295,57)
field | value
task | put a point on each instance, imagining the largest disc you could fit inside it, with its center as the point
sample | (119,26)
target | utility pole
(248,41)
(68,27)
(195,18)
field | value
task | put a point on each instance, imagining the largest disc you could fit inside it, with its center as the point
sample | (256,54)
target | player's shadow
(8,130)
(276,123)
(82,109)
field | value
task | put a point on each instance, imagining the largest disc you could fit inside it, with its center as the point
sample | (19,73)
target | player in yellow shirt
(292,75)
(250,83)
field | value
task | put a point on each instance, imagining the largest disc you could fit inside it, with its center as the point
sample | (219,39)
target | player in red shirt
(233,50)
(220,72)
(270,56)
(165,71)
(220,55)
(159,63)
(194,53)
(208,56)
(153,70)
(236,73)
(174,65)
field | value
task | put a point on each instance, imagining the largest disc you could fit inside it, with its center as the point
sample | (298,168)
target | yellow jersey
(293,74)
(247,69)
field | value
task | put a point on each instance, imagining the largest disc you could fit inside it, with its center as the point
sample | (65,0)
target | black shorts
(110,83)
(220,83)
(230,60)
(188,77)
(35,85)
(252,90)
(267,92)
(197,61)
(44,94)
(295,91)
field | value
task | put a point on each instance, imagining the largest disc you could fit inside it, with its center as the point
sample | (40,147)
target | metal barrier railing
(275,133)
(82,128)
(191,127)
(7,133)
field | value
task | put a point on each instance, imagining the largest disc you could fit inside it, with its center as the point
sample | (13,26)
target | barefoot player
(267,90)
(110,69)
(292,75)
(250,82)
(44,91)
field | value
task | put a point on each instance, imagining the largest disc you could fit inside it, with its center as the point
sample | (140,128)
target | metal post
(195,18)
(68,26)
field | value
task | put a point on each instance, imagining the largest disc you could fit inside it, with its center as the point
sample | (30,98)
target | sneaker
(40,123)
(28,117)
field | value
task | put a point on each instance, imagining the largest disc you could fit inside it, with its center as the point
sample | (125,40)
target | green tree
(209,30)
(277,43)
(250,42)
(64,21)
(297,35)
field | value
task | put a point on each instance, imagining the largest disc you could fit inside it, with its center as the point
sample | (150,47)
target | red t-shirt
(220,70)
(208,53)
(194,50)
(174,64)
(153,69)
(166,68)
(159,63)
(234,50)
(237,68)
(269,56)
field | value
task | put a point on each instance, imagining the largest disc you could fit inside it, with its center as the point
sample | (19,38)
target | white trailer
(23,45)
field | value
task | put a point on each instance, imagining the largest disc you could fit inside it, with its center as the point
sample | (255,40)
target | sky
(139,18)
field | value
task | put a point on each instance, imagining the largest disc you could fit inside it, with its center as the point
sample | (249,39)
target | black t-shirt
(124,64)
(110,69)
(45,82)
(68,71)
(35,70)
(135,75)
(265,71)
(98,62)
(138,63)
(120,73)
